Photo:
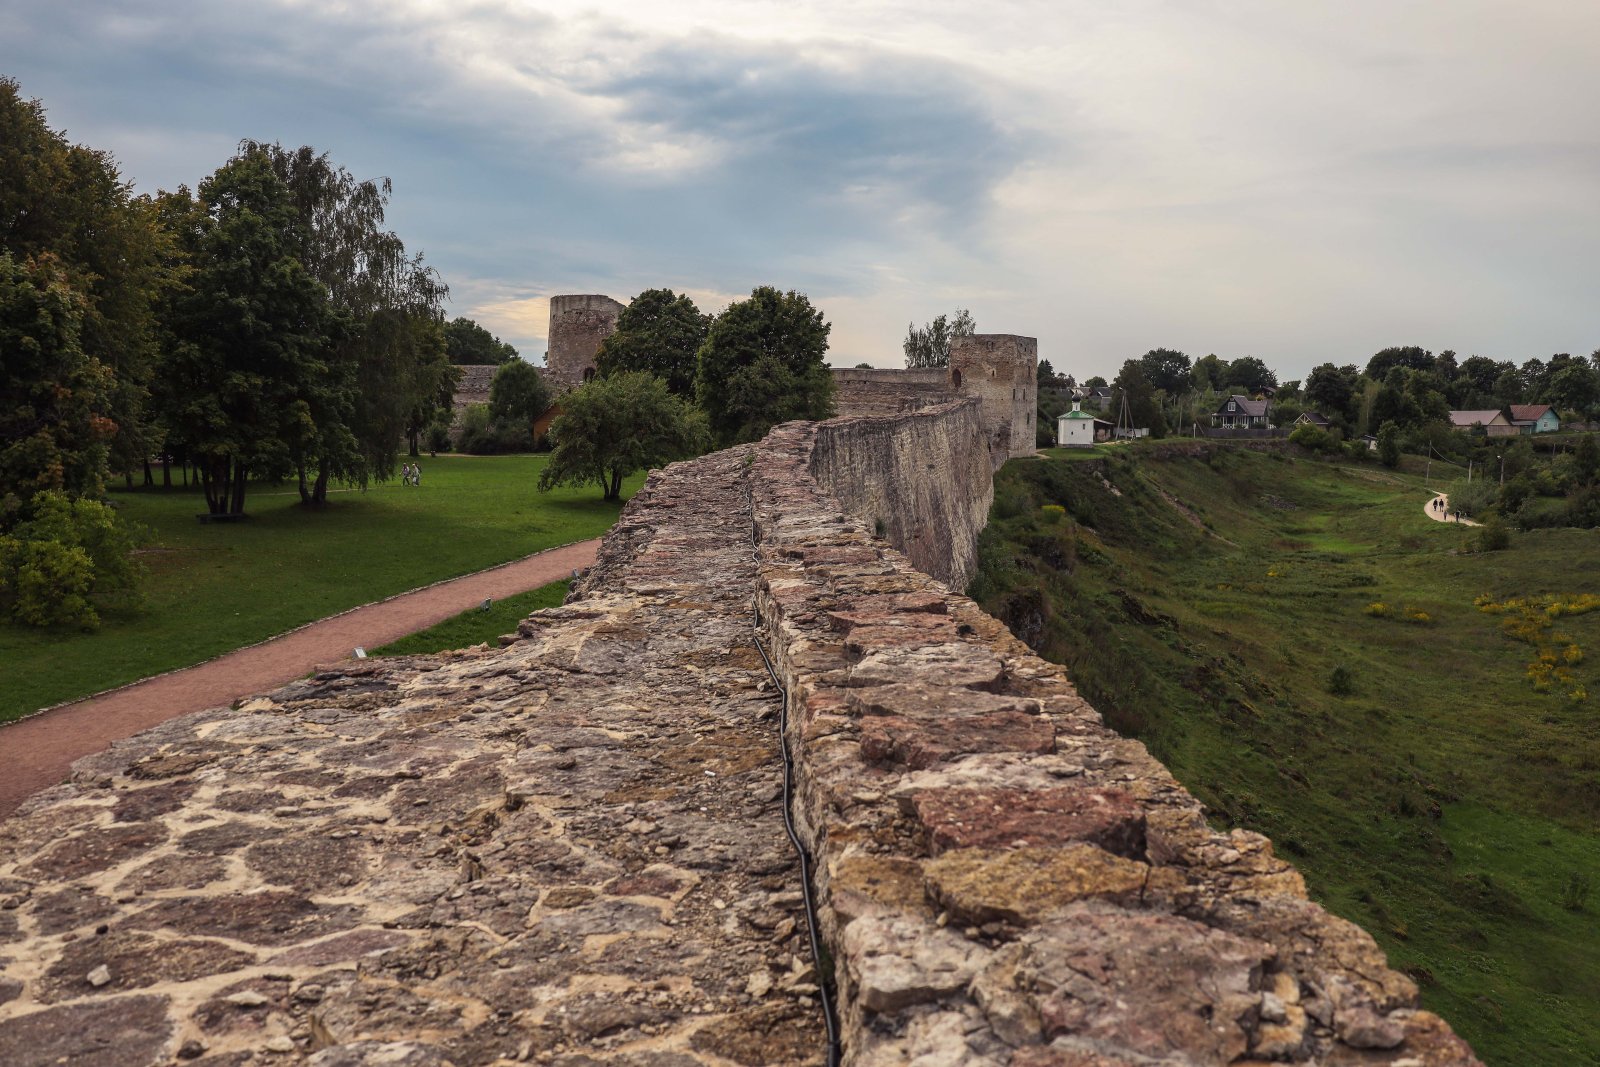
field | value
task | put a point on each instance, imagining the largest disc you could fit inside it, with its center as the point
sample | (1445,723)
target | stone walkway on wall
(571,850)
(568,851)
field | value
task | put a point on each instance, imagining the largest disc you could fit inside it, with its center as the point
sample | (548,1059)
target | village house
(1492,422)
(1535,418)
(1312,418)
(1241,413)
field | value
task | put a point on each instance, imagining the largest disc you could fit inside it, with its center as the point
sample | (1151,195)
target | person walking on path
(416,474)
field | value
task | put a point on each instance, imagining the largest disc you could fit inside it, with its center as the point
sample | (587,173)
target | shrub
(1314,439)
(438,437)
(1341,681)
(1378,609)
(69,558)
(1493,536)
(47,583)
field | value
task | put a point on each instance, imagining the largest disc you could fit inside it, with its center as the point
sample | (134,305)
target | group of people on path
(411,473)
(1450,514)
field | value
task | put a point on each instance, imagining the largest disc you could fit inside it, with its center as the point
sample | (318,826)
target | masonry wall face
(888,391)
(925,483)
(1002,371)
(578,324)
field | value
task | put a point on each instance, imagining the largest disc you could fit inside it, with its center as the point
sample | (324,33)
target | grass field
(213,588)
(1442,802)
(476,625)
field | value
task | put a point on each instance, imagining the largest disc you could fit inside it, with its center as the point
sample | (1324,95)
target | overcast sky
(1301,181)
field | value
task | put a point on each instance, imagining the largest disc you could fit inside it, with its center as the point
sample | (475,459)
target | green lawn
(213,588)
(1444,804)
(475,625)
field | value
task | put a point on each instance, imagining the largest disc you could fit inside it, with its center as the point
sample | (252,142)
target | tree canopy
(1166,369)
(762,364)
(469,344)
(929,345)
(1133,386)
(615,425)
(518,393)
(660,332)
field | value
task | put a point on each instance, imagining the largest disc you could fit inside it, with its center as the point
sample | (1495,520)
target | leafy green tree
(1410,357)
(469,344)
(618,424)
(1209,372)
(67,204)
(1574,387)
(1332,390)
(1096,382)
(54,398)
(1250,374)
(761,364)
(929,345)
(660,332)
(387,366)
(1389,444)
(250,334)
(518,394)
(1166,369)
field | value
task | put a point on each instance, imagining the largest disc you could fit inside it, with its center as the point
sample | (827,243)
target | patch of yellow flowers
(1531,620)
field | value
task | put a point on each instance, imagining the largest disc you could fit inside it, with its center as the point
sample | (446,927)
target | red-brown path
(37,752)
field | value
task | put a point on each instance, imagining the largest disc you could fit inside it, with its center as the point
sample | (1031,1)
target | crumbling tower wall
(578,325)
(1000,369)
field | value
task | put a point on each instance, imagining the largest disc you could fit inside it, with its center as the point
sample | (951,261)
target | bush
(1493,536)
(70,557)
(1474,498)
(1314,439)
(483,435)
(1341,681)
(438,437)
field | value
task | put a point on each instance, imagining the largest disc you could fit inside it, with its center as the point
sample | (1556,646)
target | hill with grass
(1415,722)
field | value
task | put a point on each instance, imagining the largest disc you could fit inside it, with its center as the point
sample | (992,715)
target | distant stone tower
(577,326)
(1000,369)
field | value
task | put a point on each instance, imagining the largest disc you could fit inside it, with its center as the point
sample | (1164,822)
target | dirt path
(38,751)
(1442,514)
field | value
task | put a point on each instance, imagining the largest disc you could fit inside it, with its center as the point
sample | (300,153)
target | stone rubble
(569,850)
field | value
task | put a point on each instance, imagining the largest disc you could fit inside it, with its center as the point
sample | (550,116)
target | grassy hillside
(1302,647)
(213,588)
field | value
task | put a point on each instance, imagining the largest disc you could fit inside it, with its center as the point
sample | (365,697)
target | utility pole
(1502,472)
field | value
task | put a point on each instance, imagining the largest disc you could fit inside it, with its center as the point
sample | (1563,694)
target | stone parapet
(570,850)
(921,483)
(1003,879)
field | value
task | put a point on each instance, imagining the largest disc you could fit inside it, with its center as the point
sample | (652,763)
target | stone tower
(1000,369)
(577,326)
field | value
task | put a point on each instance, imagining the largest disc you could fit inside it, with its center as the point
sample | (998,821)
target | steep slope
(1203,599)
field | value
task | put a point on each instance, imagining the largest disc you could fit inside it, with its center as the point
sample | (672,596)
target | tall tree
(1333,389)
(618,424)
(68,203)
(1250,374)
(518,394)
(250,334)
(929,345)
(761,364)
(469,344)
(1166,369)
(54,398)
(660,333)
(388,359)
(1410,357)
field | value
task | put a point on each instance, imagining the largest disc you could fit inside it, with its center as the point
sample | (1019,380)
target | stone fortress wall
(570,849)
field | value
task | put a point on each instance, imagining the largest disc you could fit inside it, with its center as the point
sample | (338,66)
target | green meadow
(1317,660)
(211,588)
